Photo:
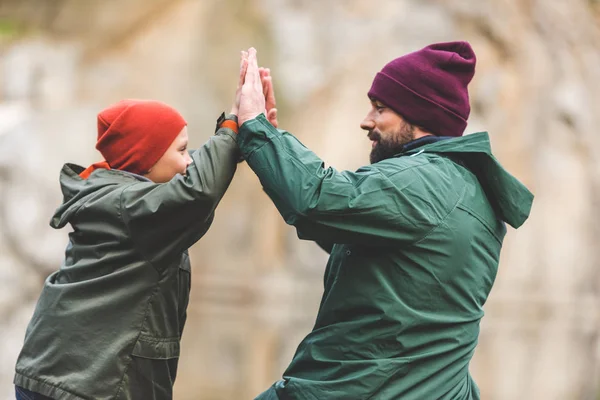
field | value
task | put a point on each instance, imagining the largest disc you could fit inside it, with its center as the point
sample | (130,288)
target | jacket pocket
(152,370)
(156,348)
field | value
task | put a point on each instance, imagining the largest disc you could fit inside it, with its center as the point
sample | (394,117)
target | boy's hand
(270,106)
(238,92)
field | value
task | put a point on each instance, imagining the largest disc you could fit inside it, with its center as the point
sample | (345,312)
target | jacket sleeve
(328,206)
(165,219)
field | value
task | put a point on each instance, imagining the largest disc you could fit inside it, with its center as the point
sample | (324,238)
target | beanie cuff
(416,109)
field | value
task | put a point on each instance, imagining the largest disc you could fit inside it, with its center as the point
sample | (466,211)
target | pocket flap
(184,263)
(156,348)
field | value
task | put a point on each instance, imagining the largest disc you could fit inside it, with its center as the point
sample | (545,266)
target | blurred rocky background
(256,287)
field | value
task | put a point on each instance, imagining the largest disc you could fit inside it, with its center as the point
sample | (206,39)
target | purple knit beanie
(429,87)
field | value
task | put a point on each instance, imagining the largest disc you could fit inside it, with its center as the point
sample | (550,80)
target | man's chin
(375,157)
(382,152)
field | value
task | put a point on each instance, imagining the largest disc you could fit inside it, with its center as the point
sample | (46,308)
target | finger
(243,58)
(268,89)
(265,85)
(243,67)
(263,76)
(252,74)
(270,93)
(272,117)
(243,70)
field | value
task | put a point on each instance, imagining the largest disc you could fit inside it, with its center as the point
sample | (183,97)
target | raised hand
(238,92)
(270,105)
(252,99)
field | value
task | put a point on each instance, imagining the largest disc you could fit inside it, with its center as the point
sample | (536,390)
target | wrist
(244,118)
(229,121)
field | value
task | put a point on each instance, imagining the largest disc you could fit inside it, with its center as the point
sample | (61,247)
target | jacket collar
(422,141)
(510,198)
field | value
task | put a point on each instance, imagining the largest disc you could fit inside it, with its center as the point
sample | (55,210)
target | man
(414,238)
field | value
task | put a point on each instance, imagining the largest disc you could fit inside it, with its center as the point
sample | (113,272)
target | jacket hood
(76,190)
(510,199)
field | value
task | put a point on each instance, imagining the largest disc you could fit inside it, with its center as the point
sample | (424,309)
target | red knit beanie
(134,134)
(429,87)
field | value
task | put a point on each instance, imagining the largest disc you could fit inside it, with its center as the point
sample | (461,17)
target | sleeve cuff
(255,133)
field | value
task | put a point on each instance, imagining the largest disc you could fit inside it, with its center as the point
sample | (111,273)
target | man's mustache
(374,135)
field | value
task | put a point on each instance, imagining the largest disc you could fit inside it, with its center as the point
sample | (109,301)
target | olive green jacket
(415,242)
(108,323)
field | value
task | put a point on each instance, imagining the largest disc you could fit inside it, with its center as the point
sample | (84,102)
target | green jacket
(415,242)
(108,324)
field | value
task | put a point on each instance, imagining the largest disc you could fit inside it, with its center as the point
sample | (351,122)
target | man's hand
(267,82)
(252,99)
(238,92)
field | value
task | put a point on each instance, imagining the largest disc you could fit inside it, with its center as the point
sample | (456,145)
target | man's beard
(389,147)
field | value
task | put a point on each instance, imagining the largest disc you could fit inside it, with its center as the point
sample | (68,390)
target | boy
(108,324)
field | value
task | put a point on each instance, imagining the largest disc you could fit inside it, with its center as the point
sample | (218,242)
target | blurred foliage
(10,29)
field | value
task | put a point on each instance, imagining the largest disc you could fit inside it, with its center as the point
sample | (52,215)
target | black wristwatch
(227,121)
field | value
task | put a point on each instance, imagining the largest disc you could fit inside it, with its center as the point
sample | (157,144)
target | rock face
(256,286)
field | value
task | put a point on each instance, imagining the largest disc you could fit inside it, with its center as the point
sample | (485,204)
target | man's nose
(367,123)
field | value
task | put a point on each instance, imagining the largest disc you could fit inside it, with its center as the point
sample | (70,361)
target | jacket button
(348,252)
